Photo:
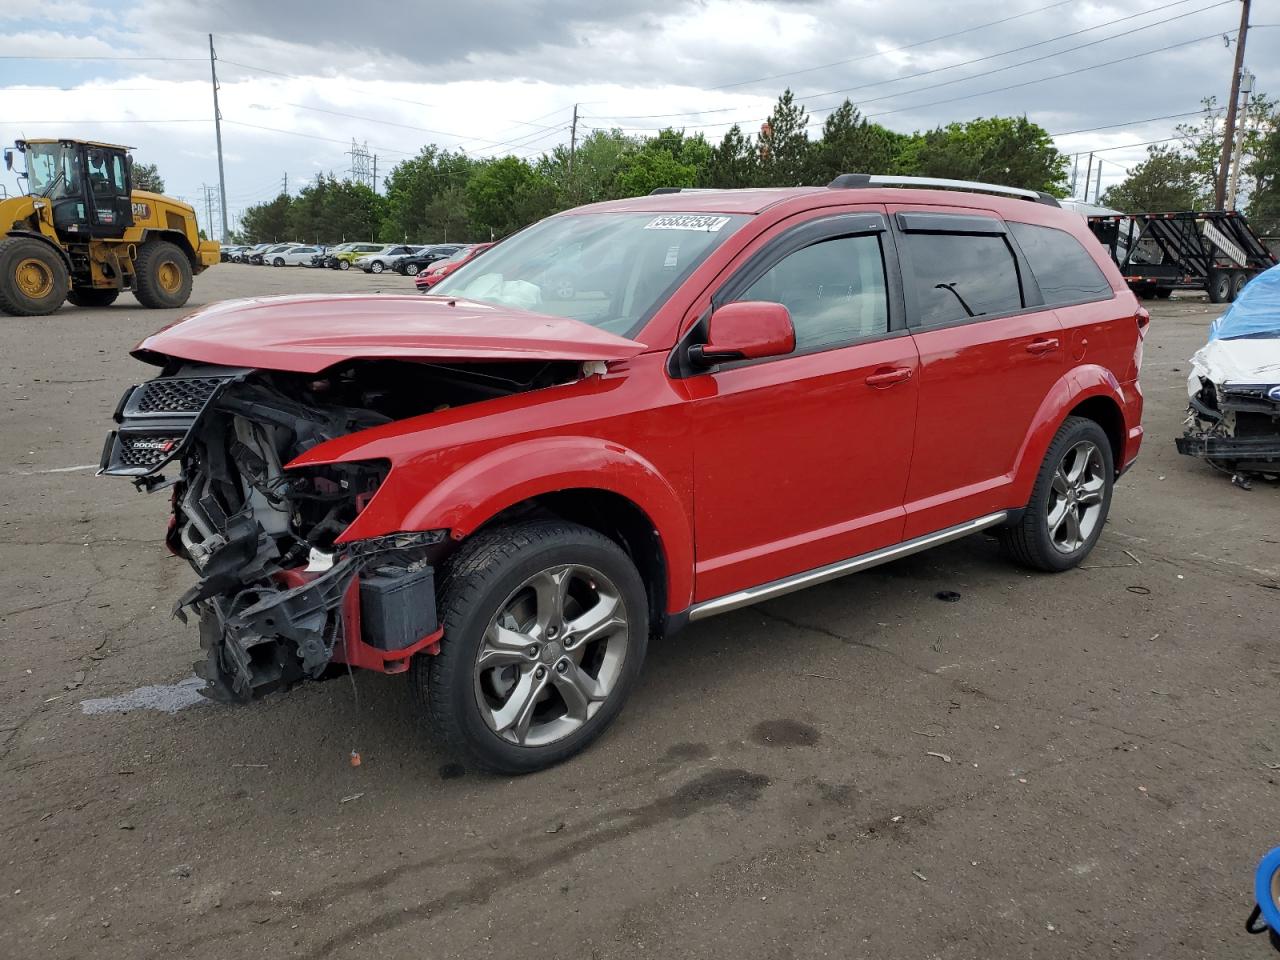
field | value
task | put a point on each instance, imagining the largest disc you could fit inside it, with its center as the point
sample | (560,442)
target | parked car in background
(268,256)
(414,263)
(294,257)
(248,253)
(380,260)
(321,256)
(227,254)
(723,397)
(428,279)
(346,254)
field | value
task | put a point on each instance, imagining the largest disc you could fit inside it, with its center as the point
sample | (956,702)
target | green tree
(506,194)
(668,160)
(1264,170)
(731,163)
(147,177)
(784,145)
(414,187)
(267,221)
(1169,179)
(1011,151)
(851,144)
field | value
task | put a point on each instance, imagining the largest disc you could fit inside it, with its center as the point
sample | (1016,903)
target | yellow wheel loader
(82,233)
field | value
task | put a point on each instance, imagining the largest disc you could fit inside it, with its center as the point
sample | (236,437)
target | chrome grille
(175,395)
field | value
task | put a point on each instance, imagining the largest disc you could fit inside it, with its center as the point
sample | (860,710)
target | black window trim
(1013,240)
(969,225)
(837,226)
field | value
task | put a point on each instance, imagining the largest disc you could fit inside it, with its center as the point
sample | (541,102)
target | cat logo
(141,211)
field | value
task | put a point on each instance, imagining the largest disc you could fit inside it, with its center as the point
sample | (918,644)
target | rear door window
(1062,267)
(960,276)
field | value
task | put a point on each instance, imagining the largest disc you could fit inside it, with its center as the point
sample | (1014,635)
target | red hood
(308,333)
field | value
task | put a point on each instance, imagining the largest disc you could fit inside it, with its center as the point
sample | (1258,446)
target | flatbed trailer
(1211,250)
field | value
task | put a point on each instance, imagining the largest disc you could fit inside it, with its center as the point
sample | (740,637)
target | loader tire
(92,297)
(162,275)
(33,278)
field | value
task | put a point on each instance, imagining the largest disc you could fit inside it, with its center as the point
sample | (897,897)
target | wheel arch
(37,235)
(178,239)
(1089,391)
(592,481)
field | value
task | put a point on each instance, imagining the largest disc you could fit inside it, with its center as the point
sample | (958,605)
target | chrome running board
(776,588)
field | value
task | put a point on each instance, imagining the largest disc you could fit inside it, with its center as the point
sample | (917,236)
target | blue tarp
(1255,313)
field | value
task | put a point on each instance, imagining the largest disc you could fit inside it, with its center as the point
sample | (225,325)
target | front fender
(1073,388)
(472,492)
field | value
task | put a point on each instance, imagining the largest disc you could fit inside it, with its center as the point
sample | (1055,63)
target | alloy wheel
(551,655)
(1075,499)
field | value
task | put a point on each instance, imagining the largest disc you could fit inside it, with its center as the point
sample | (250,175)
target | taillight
(1143,317)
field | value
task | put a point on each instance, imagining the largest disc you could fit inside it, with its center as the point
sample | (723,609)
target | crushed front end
(278,598)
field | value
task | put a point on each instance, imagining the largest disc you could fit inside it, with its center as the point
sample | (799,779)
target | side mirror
(747,330)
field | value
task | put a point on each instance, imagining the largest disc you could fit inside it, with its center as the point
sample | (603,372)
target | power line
(966,63)
(1130,123)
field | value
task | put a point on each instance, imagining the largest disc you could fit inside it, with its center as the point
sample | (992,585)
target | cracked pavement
(1053,766)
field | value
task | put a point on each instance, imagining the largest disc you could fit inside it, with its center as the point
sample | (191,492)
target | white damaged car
(1233,419)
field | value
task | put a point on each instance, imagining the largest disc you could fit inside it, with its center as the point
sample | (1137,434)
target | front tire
(92,296)
(33,277)
(1069,503)
(344,265)
(545,628)
(162,275)
(376,267)
(278,262)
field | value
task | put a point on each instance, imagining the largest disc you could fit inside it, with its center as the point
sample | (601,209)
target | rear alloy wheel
(1069,503)
(92,296)
(545,628)
(162,275)
(33,277)
(1219,287)
(411,269)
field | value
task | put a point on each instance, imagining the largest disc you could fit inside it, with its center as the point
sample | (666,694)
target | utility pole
(375,173)
(1088,175)
(217,129)
(284,183)
(1246,88)
(573,138)
(1229,133)
(1097,189)
(208,206)
(1075,173)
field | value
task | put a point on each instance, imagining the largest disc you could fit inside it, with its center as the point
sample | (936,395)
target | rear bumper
(1231,448)
(208,253)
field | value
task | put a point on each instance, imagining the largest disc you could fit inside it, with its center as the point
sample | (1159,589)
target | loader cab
(89,186)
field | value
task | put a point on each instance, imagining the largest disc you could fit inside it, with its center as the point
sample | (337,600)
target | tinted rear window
(1062,267)
(958,276)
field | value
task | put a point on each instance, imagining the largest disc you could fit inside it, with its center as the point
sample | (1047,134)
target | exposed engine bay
(1233,390)
(278,599)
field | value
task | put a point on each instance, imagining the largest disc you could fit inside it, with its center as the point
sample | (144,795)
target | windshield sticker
(703,224)
(673,256)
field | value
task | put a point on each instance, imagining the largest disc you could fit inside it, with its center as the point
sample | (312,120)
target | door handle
(888,376)
(1042,346)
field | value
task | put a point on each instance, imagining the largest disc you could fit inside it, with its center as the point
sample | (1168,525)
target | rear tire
(162,275)
(1219,287)
(92,296)
(514,568)
(411,269)
(1238,283)
(1074,481)
(1164,293)
(33,278)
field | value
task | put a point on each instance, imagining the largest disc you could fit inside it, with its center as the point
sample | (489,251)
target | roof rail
(848,181)
(658,191)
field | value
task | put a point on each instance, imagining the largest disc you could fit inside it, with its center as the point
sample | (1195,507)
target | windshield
(52,170)
(611,270)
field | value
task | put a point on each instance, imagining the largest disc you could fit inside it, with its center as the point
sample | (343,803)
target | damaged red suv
(625,418)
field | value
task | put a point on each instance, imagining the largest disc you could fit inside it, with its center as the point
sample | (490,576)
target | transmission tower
(361,164)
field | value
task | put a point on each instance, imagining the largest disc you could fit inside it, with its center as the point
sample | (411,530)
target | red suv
(627,417)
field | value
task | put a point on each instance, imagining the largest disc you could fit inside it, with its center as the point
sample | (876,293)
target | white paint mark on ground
(34,473)
(166,698)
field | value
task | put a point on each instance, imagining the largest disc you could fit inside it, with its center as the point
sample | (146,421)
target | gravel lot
(1080,765)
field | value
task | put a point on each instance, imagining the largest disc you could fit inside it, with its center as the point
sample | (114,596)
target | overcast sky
(501,76)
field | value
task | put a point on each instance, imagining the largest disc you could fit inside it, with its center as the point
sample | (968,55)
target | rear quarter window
(1062,267)
(957,276)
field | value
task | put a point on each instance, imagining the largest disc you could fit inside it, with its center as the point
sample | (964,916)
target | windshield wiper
(952,287)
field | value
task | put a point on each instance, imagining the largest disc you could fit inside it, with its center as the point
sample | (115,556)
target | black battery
(397,606)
